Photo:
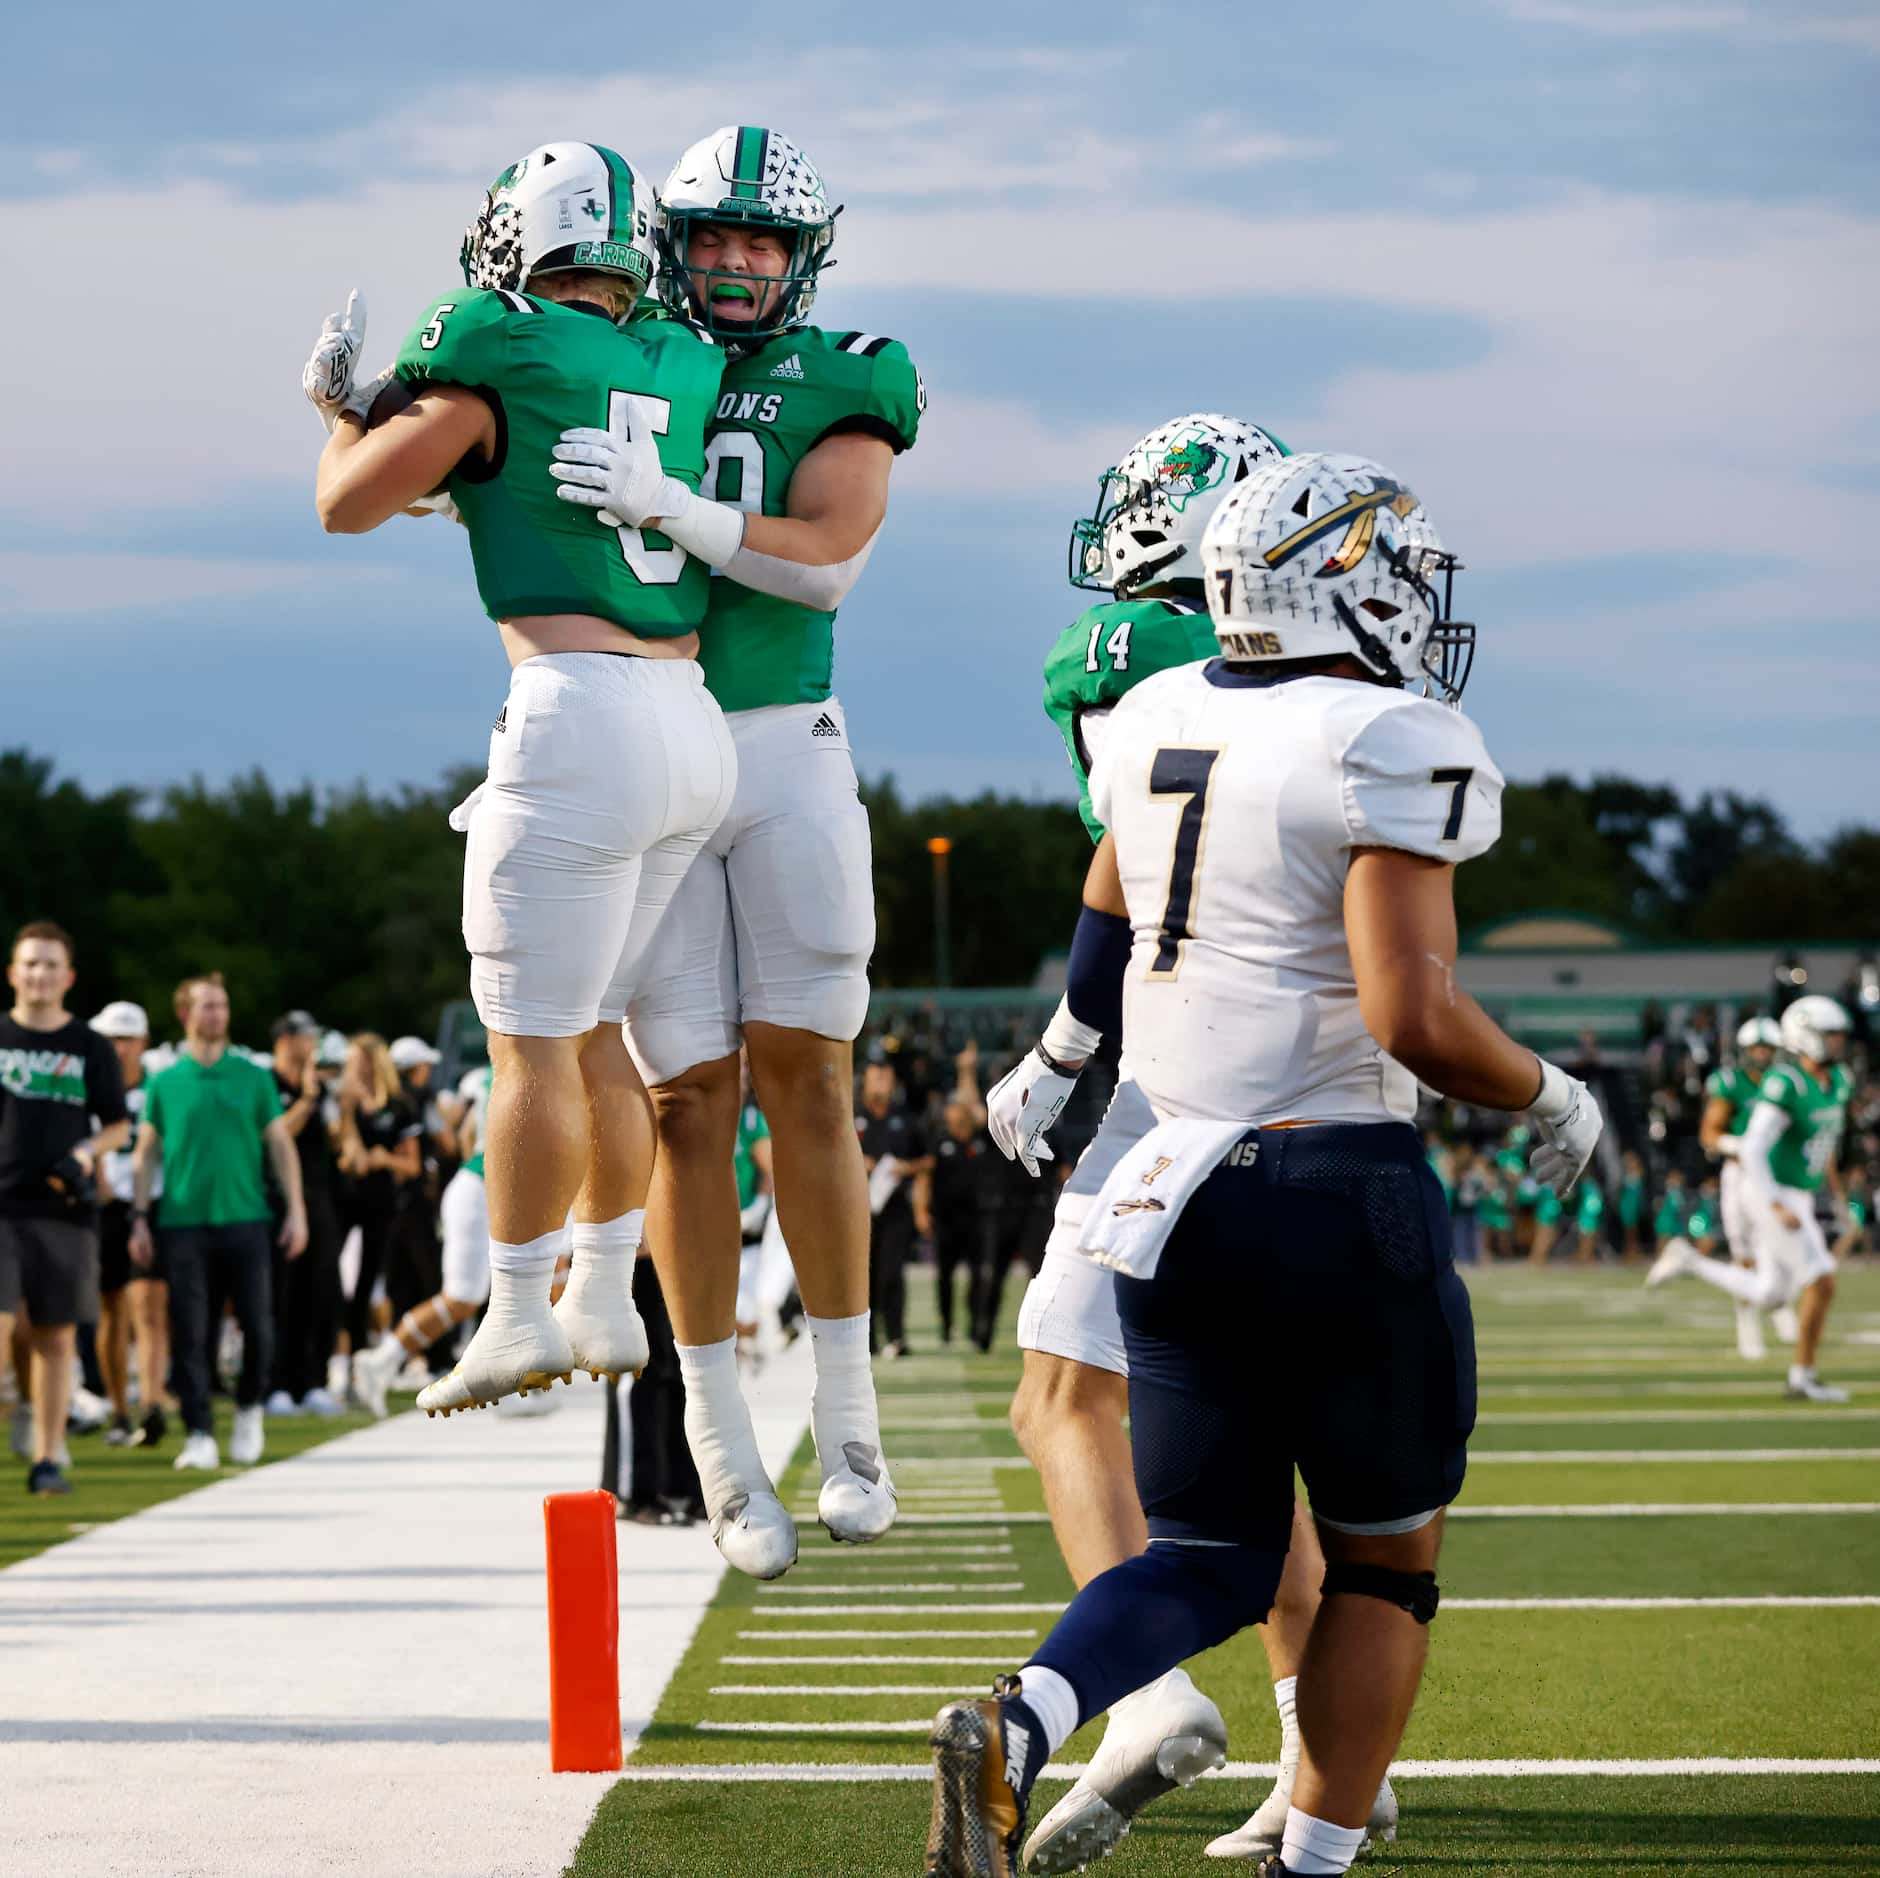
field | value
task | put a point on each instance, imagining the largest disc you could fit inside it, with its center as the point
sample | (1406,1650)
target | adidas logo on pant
(825,726)
(792,367)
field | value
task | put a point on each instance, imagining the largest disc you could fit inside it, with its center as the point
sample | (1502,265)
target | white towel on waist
(1147,1189)
(885,1182)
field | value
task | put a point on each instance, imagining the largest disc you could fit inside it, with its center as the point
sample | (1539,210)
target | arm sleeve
(1768,1121)
(104,1083)
(1418,777)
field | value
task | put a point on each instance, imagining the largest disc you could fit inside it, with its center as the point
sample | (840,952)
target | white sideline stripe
(871,1662)
(1234,1770)
(844,1688)
(823,1591)
(871,1636)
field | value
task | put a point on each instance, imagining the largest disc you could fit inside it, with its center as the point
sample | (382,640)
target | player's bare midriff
(542,633)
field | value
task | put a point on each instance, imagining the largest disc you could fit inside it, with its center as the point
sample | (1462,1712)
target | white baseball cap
(332,1051)
(409,1052)
(122,1019)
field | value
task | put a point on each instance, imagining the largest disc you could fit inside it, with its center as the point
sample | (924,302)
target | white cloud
(1767,23)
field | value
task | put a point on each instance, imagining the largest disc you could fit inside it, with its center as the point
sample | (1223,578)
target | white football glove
(619,476)
(1022,1106)
(1569,1123)
(327,377)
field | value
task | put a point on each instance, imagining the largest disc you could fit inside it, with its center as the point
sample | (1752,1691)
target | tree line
(348,901)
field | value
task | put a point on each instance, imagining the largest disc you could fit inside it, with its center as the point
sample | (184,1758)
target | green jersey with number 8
(1102,655)
(1816,1116)
(546,368)
(777,404)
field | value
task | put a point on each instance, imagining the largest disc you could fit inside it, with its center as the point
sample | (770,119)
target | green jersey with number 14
(1104,653)
(544,369)
(1816,1115)
(775,407)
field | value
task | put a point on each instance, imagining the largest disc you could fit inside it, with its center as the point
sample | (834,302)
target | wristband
(1065,1036)
(709,531)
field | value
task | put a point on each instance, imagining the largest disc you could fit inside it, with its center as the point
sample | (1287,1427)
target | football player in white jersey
(1274,899)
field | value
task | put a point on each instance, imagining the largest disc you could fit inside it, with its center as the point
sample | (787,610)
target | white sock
(1800,1373)
(1053,1701)
(605,1249)
(1284,1693)
(842,1408)
(535,1257)
(520,1276)
(1315,1845)
(718,1424)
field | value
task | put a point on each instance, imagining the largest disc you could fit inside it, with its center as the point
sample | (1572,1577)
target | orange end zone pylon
(583,1634)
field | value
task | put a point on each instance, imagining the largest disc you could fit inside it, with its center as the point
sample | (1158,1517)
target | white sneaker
(283,1406)
(1263,1835)
(1749,1337)
(338,1377)
(1673,1262)
(24,1447)
(1805,1386)
(1784,1322)
(372,1374)
(857,1503)
(1162,1737)
(755,1534)
(199,1455)
(605,1331)
(518,1346)
(320,1402)
(87,1412)
(248,1438)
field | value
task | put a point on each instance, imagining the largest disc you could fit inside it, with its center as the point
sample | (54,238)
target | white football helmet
(745,173)
(565,205)
(1317,555)
(1759,1033)
(1808,1024)
(1154,506)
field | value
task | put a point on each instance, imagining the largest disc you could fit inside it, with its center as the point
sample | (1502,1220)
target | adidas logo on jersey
(792,367)
(825,726)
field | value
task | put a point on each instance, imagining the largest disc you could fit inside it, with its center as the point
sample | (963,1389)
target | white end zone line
(811,1772)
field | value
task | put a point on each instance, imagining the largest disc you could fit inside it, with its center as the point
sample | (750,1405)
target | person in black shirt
(306,1290)
(378,1153)
(61,1109)
(894,1150)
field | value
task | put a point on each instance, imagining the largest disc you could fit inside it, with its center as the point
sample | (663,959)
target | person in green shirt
(767,941)
(1729,1096)
(1788,1154)
(609,762)
(207,1121)
(1631,1204)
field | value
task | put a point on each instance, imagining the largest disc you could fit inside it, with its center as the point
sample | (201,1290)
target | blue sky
(1597,276)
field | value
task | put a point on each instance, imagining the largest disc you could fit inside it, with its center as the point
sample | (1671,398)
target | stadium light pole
(939,846)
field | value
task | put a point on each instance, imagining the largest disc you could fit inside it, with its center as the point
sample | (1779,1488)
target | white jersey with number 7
(1236,800)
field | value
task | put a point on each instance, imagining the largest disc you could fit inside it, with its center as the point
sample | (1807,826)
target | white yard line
(918,1726)
(1539,1418)
(822,1591)
(1656,1509)
(904,1549)
(1532,1456)
(874,1636)
(1449,1604)
(869,1662)
(844,1688)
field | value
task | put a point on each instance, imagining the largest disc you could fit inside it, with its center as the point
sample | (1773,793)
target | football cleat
(1265,1832)
(1673,1262)
(983,1765)
(755,1534)
(523,1349)
(857,1503)
(1162,1737)
(605,1332)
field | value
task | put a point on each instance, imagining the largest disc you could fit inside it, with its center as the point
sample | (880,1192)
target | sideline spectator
(206,1119)
(56,1075)
(378,1152)
(1471,1189)
(894,1150)
(129,1299)
(414,1270)
(306,1289)
(1631,1206)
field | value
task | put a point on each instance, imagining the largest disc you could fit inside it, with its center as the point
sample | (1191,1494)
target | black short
(1306,1312)
(115,1266)
(51,1264)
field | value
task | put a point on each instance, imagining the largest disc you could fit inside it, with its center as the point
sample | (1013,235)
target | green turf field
(108,1483)
(1605,1410)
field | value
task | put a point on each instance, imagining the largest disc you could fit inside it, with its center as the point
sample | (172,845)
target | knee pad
(1414,1592)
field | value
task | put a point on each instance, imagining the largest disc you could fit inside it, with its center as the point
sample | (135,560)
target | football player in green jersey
(769,937)
(1786,1154)
(1729,1096)
(610,762)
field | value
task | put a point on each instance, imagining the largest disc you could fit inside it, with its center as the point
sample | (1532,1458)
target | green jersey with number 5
(776,405)
(545,368)
(1101,656)
(1816,1115)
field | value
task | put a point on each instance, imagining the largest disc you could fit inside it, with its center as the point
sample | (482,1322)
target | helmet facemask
(688,289)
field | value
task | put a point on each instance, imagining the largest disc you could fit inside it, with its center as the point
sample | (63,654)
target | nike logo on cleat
(825,726)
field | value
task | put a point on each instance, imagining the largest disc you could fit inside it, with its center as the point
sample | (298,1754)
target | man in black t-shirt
(56,1075)
(307,1298)
(895,1152)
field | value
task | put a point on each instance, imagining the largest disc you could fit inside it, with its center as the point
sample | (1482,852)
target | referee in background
(206,1120)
